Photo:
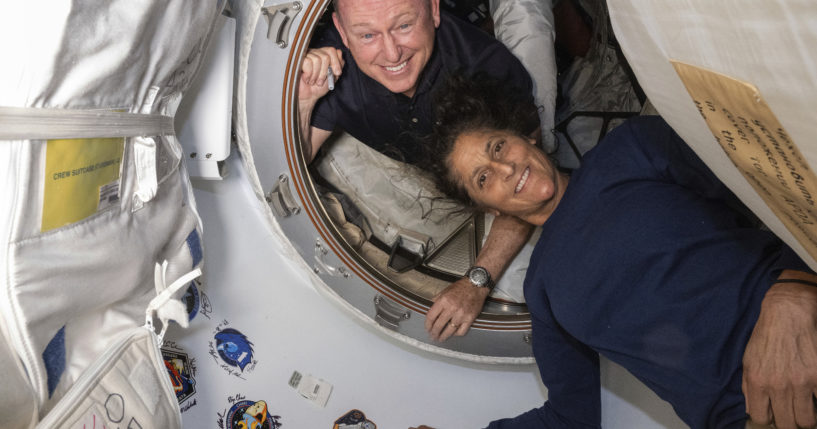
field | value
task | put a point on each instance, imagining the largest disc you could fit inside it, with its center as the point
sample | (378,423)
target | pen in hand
(330,78)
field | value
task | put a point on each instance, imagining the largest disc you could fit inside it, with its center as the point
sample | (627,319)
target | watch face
(478,276)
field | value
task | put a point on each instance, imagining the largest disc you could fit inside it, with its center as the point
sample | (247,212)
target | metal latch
(322,265)
(388,313)
(280,17)
(280,198)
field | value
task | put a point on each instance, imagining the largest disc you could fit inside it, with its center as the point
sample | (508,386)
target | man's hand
(458,305)
(311,87)
(455,309)
(314,70)
(780,361)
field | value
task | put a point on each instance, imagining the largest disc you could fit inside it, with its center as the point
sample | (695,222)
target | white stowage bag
(93,196)
(526,27)
(395,198)
(127,386)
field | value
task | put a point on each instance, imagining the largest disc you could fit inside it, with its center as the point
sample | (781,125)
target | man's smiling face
(390,40)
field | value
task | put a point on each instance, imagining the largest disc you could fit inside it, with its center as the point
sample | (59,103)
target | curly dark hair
(470,103)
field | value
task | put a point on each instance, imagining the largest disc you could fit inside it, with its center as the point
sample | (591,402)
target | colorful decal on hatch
(354,419)
(182,372)
(244,414)
(232,350)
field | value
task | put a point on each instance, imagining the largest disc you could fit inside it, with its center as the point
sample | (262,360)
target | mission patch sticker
(246,414)
(182,372)
(354,419)
(232,350)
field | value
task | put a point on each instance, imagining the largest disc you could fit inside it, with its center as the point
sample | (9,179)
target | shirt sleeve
(570,371)
(675,161)
(670,157)
(324,114)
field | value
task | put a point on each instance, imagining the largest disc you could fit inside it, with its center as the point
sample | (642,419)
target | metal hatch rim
(314,210)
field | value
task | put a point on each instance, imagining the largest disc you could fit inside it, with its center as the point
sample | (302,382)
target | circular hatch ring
(272,155)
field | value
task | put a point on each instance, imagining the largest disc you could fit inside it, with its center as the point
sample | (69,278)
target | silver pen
(330,78)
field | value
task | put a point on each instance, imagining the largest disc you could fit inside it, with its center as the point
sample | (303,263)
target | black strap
(805,282)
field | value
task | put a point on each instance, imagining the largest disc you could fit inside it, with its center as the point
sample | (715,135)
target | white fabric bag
(94,194)
(128,385)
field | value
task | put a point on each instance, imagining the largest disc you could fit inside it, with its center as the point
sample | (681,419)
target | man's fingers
(336,62)
(432,315)
(453,328)
(439,325)
(440,307)
(760,411)
(757,401)
(310,70)
(325,58)
(463,329)
(783,410)
(449,330)
(319,72)
(306,67)
(804,414)
(439,321)
(315,65)
(453,312)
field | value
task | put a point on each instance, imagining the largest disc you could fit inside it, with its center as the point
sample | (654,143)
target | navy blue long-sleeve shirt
(647,262)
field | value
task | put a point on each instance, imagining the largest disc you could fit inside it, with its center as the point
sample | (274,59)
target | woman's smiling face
(506,173)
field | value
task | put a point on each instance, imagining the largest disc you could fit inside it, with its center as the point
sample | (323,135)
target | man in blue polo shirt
(392,55)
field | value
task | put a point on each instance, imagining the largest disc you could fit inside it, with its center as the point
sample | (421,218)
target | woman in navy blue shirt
(644,257)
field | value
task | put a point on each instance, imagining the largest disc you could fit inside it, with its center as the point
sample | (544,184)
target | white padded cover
(526,28)
(127,386)
(69,287)
(767,44)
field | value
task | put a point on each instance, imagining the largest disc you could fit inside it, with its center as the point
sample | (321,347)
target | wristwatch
(479,277)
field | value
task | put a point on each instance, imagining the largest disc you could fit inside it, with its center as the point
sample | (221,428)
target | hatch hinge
(279,18)
(388,313)
(280,198)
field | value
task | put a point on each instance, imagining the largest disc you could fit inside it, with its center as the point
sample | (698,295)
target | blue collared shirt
(394,124)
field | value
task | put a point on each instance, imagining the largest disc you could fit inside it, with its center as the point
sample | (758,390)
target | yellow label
(81,178)
(752,137)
